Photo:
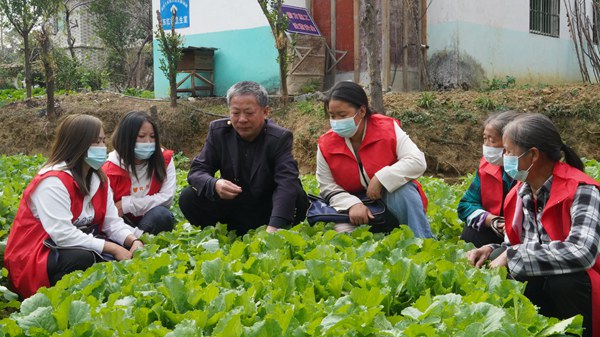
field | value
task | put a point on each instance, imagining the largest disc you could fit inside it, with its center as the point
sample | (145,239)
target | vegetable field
(307,281)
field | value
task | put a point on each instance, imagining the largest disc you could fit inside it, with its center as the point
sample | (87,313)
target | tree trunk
(369,25)
(50,93)
(44,38)
(138,59)
(173,87)
(70,39)
(27,53)
(283,76)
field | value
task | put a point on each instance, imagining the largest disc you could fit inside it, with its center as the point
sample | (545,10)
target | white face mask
(493,155)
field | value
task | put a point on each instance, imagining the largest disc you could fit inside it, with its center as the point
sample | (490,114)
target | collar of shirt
(542,195)
(533,230)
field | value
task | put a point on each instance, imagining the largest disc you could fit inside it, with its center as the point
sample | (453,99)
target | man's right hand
(226,189)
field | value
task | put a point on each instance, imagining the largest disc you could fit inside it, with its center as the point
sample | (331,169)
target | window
(544,17)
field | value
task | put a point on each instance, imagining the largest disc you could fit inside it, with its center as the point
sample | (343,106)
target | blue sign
(182,18)
(300,20)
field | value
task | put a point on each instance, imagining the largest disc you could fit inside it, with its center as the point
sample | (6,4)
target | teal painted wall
(530,58)
(247,54)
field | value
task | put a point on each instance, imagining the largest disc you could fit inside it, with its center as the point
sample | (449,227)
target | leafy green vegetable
(305,281)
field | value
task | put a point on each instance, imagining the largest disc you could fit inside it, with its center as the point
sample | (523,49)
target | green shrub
(136,92)
(94,79)
(426,100)
(496,84)
(484,102)
(310,86)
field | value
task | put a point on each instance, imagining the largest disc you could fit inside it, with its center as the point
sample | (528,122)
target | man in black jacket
(259,177)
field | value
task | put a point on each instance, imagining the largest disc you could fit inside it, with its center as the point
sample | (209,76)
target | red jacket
(492,187)
(26,257)
(377,150)
(556,219)
(120,181)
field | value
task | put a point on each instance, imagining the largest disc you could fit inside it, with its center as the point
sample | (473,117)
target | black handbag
(320,211)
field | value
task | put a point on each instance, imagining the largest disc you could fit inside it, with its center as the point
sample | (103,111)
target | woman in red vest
(369,153)
(141,174)
(552,223)
(480,208)
(67,219)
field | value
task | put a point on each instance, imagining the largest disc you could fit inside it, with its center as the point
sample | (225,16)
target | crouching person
(552,224)
(142,174)
(67,219)
(259,177)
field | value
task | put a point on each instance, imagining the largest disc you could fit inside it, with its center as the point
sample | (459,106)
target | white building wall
(496,35)
(242,36)
(209,16)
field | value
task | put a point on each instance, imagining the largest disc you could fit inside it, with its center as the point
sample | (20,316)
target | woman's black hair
(125,137)
(350,93)
(537,130)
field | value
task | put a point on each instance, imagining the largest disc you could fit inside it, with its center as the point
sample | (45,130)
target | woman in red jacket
(480,208)
(366,153)
(552,223)
(67,220)
(141,174)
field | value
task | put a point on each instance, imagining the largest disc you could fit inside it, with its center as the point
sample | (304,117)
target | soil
(445,125)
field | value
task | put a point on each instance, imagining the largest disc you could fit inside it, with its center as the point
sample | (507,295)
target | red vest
(377,150)
(556,219)
(120,181)
(26,257)
(492,187)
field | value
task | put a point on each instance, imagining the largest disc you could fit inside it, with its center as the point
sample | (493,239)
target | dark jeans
(562,296)
(480,238)
(239,217)
(156,220)
(64,261)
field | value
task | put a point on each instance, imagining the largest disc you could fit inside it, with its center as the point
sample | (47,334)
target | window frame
(544,17)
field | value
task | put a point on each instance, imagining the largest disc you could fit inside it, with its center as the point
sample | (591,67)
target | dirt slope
(445,125)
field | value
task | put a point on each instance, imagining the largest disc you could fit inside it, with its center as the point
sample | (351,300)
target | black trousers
(562,296)
(65,261)
(239,217)
(480,238)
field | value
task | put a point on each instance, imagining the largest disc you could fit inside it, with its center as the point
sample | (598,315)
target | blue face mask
(144,151)
(344,127)
(511,167)
(96,156)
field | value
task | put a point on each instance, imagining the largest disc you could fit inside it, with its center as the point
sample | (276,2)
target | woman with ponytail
(552,224)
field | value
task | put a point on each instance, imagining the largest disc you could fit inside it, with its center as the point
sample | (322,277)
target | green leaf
(174,289)
(418,330)
(571,325)
(367,298)
(229,326)
(79,312)
(211,270)
(186,328)
(39,318)
(211,245)
(34,302)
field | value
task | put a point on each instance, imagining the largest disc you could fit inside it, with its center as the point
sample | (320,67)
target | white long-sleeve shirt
(410,165)
(51,204)
(139,202)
